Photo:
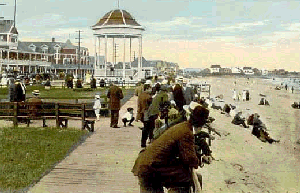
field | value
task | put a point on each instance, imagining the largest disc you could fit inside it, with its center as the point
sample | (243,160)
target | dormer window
(32,47)
(44,51)
(56,47)
(44,47)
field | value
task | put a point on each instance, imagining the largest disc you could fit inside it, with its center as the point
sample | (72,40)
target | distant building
(264,72)
(215,69)
(225,71)
(206,71)
(248,71)
(40,57)
(278,72)
(236,71)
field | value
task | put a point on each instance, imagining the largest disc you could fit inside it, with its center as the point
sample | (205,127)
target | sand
(243,162)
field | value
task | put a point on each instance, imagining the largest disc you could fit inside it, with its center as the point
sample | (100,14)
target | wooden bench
(61,112)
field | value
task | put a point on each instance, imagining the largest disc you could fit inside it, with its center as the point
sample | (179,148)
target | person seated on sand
(295,105)
(277,88)
(259,130)
(264,101)
(239,120)
(202,102)
(226,110)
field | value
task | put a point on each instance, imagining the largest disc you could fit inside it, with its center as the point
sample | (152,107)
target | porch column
(99,47)
(105,63)
(130,52)
(95,61)
(140,58)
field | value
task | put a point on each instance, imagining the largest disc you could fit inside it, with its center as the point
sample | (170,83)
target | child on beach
(128,117)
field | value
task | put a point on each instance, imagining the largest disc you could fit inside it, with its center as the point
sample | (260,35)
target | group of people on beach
(174,120)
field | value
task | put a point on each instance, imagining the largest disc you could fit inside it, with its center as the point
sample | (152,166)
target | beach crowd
(177,127)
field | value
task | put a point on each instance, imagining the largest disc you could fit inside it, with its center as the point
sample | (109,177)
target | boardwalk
(101,164)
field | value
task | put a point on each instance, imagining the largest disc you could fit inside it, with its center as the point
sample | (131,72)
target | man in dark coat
(189,94)
(12,91)
(168,161)
(115,95)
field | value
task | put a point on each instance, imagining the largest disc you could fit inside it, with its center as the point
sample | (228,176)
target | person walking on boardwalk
(168,162)
(115,95)
(97,106)
(144,101)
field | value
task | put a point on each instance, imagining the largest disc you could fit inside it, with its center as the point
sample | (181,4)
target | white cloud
(175,22)
(238,26)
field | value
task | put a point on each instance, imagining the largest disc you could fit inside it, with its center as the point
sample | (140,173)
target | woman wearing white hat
(97,106)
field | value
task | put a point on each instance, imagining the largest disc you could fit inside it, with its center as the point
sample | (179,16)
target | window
(32,47)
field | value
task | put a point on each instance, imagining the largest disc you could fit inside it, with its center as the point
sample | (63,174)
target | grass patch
(63,93)
(26,154)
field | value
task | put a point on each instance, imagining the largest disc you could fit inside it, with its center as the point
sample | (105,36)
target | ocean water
(290,82)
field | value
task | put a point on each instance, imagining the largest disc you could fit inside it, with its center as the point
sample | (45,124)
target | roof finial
(118,4)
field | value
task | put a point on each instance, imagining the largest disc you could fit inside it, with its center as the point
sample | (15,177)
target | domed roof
(117,17)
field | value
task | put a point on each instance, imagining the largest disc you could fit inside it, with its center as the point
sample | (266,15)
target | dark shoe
(116,127)
(130,125)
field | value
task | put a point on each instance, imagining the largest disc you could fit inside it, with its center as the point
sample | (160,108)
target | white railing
(25,62)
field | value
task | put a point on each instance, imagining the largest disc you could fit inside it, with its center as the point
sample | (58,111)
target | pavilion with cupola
(118,36)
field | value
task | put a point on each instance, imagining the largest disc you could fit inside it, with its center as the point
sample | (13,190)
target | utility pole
(79,38)
(15,13)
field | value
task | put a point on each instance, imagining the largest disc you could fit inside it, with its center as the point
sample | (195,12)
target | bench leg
(89,125)
(93,126)
(44,122)
(64,125)
(28,122)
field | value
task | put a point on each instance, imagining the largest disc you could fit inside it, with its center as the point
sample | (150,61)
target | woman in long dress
(234,94)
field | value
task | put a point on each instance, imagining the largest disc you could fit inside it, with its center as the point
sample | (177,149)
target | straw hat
(36,92)
(164,82)
(148,82)
(97,96)
(193,105)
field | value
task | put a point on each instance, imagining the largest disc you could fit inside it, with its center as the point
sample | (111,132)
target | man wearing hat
(34,103)
(168,161)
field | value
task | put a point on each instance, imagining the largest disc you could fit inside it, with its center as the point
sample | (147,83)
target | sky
(194,34)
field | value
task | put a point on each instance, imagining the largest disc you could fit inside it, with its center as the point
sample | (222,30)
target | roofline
(118,26)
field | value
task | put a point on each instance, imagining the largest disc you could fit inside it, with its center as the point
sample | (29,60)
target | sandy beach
(243,162)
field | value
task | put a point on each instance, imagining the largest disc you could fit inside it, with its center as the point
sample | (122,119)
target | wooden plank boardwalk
(102,163)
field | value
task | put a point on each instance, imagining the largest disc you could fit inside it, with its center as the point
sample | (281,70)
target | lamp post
(79,38)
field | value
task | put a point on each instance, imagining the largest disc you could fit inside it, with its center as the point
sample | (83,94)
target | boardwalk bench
(61,112)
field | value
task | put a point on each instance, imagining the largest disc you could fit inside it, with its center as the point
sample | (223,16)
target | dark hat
(129,109)
(199,116)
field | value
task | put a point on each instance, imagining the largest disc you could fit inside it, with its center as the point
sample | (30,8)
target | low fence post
(82,116)
(15,119)
(57,114)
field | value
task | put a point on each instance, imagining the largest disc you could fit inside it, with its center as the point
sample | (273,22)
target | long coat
(161,97)
(177,141)
(115,95)
(144,101)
